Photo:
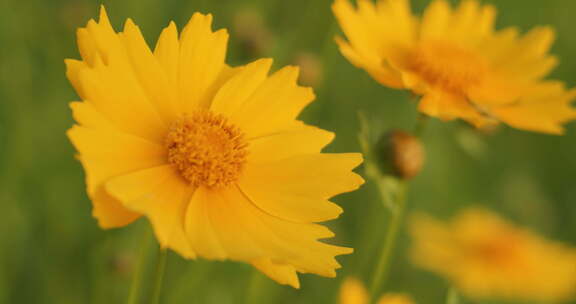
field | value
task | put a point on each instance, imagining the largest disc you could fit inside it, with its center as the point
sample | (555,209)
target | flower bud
(401,154)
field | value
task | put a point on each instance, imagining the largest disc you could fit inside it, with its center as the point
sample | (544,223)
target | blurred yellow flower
(460,65)
(486,257)
(212,155)
(353,292)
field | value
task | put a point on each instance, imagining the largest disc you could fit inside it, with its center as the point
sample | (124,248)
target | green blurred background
(52,251)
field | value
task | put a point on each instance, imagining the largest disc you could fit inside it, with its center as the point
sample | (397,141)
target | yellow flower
(353,292)
(487,257)
(460,65)
(212,155)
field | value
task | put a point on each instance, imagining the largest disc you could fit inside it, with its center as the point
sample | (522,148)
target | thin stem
(254,287)
(160,267)
(391,236)
(136,286)
(452,297)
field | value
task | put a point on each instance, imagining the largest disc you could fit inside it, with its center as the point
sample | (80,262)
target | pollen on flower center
(207,149)
(447,65)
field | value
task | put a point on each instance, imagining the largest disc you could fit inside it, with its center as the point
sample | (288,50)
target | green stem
(391,236)
(452,297)
(136,285)
(160,267)
(254,287)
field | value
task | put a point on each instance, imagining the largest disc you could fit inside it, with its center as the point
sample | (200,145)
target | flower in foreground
(460,65)
(353,292)
(487,257)
(212,155)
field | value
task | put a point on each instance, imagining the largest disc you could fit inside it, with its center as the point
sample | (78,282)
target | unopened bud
(401,154)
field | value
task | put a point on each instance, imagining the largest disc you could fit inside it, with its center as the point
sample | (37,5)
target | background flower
(458,62)
(487,257)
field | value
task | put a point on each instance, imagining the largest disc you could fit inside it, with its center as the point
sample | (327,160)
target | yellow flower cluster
(353,292)
(212,155)
(458,62)
(216,159)
(486,257)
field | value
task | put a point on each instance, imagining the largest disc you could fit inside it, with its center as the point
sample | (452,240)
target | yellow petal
(436,20)
(248,234)
(447,106)
(114,153)
(204,225)
(302,139)
(163,196)
(486,20)
(109,82)
(240,87)
(538,41)
(464,20)
(105,41)
(296,192)
(467,24)
(282,273)
(292,207)
(167,52)
(149,72)
(87,116)
(86,46)
(522,58)
(374,34)
(431,242)
(320,175)
(73,68)
(108,210)
(116,94)
(274,106)
(496,90)
(543,109)
(380,71)
(202,54)
(230,232)
(361,36)
(106,154)
(396,20)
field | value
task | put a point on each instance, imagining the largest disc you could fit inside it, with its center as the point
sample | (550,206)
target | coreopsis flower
(353,292)
(487,257)
(212,155)
(460,65)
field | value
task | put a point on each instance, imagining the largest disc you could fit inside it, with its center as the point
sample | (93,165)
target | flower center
(501,251)
(207,150)
(447,65)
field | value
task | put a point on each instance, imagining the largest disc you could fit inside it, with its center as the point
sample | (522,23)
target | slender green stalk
(160,267)
(452,297)
(254,287)
(136,286)
(393,198)
(391,236)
